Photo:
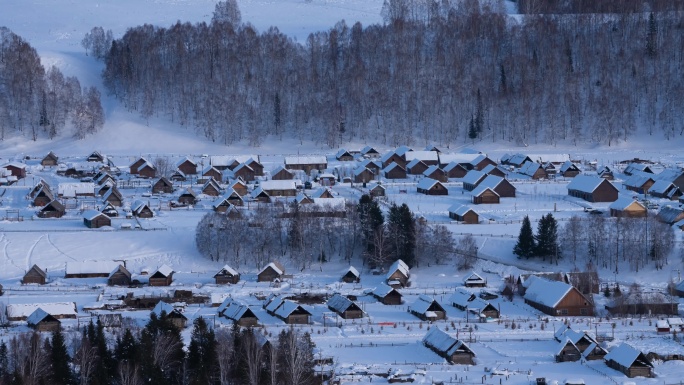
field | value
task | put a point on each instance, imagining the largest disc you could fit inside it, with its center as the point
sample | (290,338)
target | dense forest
(35,102)
(444,72)
(156,355)
(594,6)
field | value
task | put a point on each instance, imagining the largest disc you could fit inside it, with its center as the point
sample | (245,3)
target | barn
(626,207)
(592,189)
(557,298)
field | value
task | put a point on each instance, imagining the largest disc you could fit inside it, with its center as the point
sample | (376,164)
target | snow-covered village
(260,232)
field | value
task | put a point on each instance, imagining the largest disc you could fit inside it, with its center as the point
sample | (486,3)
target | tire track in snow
(29,254)
(57,248)
(4,251)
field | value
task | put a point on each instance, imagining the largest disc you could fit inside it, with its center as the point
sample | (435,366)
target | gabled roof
(625,355)
(423,303)
(259,192)
(24,310)
(444,343)
(622,203)
(568,165)
(186,159)
(662,187)
(402,150)
(213,183)
(637,167)
(342,152)
(340,304)
(638,179)
(587,183)
(547,293)
(73,189)
(453,165)
(474,177)
(479,190)
(413,163)
(428,183)
(517,159)
(564,343)
(669,174)
(370,162)
(457,158)
(39,315)
(392,166)
(359,170)
(275,266)
(462,297)
(168,309)
(670,214)
(474,277)
(164,181)
(422,155)
(235,310)
(38,270)
(460,209)
(353,271)
(400,266)
(278,185)
(282,308)
(120,268)
(491,181)
(242,166)
(138,206)
(55,205)
(368,149)
(227,270)
(383,290)
(280,168)
(310,159)
(529,168)
(431,170)
(92,214)
(164,270)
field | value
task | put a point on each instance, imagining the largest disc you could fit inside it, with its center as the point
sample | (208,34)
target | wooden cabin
(213,173)
(140,209)
(351,275)
(227,275)
(557,298)
(666,190)
(363,175)
(592,189)
(120,276)
(306,163)
(50,160)
(429,186)
(427,309)
(281,173)
(631,362)
(34,275)
(162,277)
(485,195)
(162,186)
(188,197)
(626,207)
(237,312)
(42,196)
(434,172)
(172,314)
(53,209)
(387,295)
(453,350)
(95,156)
(345,307)
(569,170)
(271,272)
(416,167)
(113,196)
(568,352)
(474,280)
(187,166)
(244,172)
(534,170)
(344,156)
(473,179)
(147,170)
(639,183)
(455,170)
(464,214)
(589,348)
(41,321)
(398,275)
(94,219)
(290,312)
(394,171)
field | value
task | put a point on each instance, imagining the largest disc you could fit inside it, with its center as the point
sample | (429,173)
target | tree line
(38,102)
(306,234)
(603,6)
(609,243)
(156,355)
(441,72)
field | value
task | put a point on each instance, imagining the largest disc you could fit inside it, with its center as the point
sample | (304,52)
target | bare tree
(162,165)
(129,373)
(29,358)
(224,349)
(85,359)
(253,355)
(466,251)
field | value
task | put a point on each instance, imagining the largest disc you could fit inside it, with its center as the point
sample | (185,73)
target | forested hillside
(443,73)
(35,102)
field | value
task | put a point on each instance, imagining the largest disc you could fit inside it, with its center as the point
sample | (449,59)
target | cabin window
(564,311)
(583,311)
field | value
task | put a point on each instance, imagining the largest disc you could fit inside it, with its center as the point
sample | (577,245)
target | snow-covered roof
(491,181)
(341,152)
(138,206)
(529,168)
(227,270)
(625,355)
(662,324)
(309,159)
(452,165)
(391,167)
(370,163)
(368,149)
(233,309)
(281,307)
(73,189)
(547,293)
(382,291)
(37,316)
(553,158)
(566,332)
(474,177)
(273,266)
(443,342)
(460,209)
(586,183)
(167,308)
(91,214)
(402,150)
(23,310)
(461,297)
(637,167)
(661,187)
(186,159)
(164,270)
(242,166)
(456,158)
(479,190)
(340,303)
(623,202)
(568,165)
(353,271)
(422,304)
(563,344)
(91,267)
(516,159)
(258,191)
(422,155)
(427,183)
(638,179)
(670,214)
(474,278)
(431,170)
(675,321)
(359,170)
(400,266)
(278,185)
(669,174)
(414,163)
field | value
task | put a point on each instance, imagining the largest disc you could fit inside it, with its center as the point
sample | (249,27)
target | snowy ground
(388,339)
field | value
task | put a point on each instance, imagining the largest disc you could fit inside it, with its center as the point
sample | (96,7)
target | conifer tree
(547,238)
(59,359)
(202,358)
(525,246)
(402,233)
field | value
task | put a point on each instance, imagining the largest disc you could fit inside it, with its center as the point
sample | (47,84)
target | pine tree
(472,131)
(525,246)
(402,233)
(59,358)
(371,219)
(126,347)
(202,357)
(652,37)
(4,362)
(547,238)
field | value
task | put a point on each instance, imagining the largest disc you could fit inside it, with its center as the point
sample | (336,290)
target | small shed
(187,166)
(140,209)
(213,172)
(569,169)
(568,352)
(415,167)
(626,359)
(534,170)
(387,295)
(120,276)
(455,170)
(271,272)
(437,173)
(398,274)
(286,310)
(485,195)
(427,309)
(95,156)
(162,185)
(244,172)
(162,277)
(227,275)
(351,275)
(394,171)
(34,275)
(113,196)
(281,173)
(41,321)
(377,190)
(187,197)
(343,155)
(94,219)
(626,207)
(177,318)
(453,350)
(345,307)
